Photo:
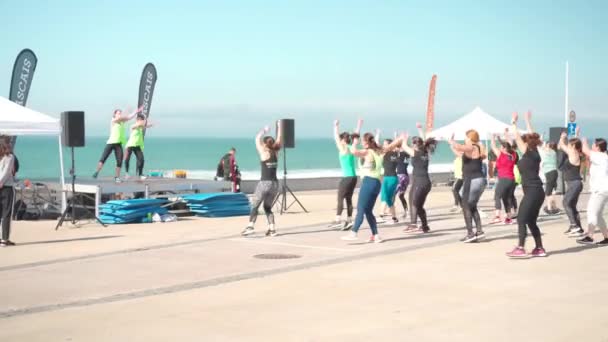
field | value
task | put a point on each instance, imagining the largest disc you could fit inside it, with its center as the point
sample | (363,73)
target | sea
(311,158)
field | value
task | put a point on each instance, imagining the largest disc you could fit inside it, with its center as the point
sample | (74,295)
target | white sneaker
(117,180)
(347,225)
(143,177)
(483,214)
(378,239)
(248,231)
(127,176)
(352,236)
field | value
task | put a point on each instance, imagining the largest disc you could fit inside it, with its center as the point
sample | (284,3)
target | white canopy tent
(17,120)
(477,119)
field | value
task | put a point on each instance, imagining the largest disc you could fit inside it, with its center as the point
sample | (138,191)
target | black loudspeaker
(289,133)
(555,133)
(72,129)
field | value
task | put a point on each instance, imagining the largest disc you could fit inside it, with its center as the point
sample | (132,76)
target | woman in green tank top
(346,187)
(371,170)
(115,141)
(136,145)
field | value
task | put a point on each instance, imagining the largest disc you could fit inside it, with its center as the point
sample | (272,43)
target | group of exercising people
(118,138)
(383,170)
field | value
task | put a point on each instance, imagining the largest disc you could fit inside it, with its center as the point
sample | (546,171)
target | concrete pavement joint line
(133,250)
(295,245)
(227,279)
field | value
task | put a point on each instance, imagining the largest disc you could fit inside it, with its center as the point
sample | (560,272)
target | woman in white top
(599,190)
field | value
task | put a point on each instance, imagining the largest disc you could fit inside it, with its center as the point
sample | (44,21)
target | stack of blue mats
(220,204)
(131,211)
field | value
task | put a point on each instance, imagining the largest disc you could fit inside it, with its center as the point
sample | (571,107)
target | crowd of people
(519,161)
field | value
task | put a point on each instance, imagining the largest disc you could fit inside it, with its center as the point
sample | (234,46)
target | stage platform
(149,187)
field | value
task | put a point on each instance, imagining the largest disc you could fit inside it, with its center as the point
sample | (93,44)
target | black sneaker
(547,211)
(603,242)
(271,232)
(480,235)
(469,238)
(576,232)
(570,230)
(95,174)
(6,243)
(585,241)
(395,221)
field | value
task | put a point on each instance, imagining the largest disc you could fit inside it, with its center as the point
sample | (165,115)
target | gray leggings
(472,190)
(265,192)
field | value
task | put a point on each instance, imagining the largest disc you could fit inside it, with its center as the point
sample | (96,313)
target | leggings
(139,154)
(595,209)
(265,192)
(368,193)
(472,189)
(573,191)
(513,199)
(404,181)
(528,214)
(550,182)
(117,148)
(456,192)
(346,188)
(421,186)
(7,195)
(504,193)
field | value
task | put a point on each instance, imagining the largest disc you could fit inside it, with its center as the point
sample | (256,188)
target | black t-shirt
(389,163)
(402,163)
(420,164)
(529,167)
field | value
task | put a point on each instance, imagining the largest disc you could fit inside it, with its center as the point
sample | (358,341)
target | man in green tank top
(115,141)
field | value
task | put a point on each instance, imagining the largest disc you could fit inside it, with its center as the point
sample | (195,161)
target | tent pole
(62,180)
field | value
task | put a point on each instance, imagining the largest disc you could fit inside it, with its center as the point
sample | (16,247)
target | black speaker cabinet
(289,134)
(555,133)
(72,129)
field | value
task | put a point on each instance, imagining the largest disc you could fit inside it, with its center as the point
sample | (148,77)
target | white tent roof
(19,120)
(477,119)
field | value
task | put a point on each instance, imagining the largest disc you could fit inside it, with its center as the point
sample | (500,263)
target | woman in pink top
(505,163)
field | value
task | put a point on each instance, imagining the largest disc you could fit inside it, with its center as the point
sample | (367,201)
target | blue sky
(227,68)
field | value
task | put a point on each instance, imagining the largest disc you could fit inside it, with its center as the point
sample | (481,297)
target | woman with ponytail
(505,164)
(532,185)
(420,153)
(371,171)
(266,190)
(598,184)
(571,168)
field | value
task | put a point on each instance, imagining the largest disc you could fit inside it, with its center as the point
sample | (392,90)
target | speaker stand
(77,200)
(282,195)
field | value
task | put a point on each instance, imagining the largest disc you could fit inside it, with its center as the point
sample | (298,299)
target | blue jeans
(368,193)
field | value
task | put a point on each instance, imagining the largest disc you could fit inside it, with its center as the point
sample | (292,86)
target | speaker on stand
(72,135)
(287,127)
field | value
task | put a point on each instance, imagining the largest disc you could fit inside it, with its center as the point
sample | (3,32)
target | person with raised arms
(344,142)
(115,141)
(268,187)
(420,153)
(371,170)
(505,164)
(135,145)
(570,165)
(532,185)
(598,157)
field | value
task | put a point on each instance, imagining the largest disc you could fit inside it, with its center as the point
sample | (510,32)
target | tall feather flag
(430,109)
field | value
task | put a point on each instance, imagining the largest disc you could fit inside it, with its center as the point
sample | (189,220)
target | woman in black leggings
(421,182)
(571,169)
(532,185)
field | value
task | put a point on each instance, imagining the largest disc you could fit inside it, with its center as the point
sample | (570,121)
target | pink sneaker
(538,252)
(508,221)
(517,252)
(371,239)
